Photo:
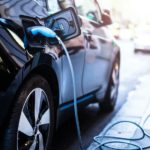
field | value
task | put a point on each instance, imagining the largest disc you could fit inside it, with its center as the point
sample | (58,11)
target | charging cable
(48,33)
(108,144)
(74,92)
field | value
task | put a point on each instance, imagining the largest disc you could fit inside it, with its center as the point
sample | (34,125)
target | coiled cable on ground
(122,140)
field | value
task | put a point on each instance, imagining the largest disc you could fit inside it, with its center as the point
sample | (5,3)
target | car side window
(66,3)
(88,9)
(52,6)
(56,5)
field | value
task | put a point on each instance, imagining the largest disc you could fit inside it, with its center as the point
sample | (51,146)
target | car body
(115,29)
(141,41)
(95,58)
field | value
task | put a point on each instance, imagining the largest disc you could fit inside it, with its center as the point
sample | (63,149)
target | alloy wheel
(34,122)
(114,81)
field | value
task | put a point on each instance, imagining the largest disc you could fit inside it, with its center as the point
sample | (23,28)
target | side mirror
(64,23)
(91,15)
(106,18)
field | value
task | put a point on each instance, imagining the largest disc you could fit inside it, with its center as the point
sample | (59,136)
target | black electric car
(35,78)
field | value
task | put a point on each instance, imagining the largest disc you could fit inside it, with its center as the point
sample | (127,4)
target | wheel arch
(116,54)
(51,77)
(41,64)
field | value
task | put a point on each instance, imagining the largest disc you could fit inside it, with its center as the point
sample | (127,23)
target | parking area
(136,109)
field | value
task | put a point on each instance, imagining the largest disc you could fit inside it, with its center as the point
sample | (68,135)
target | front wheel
(110,98)
(32,120)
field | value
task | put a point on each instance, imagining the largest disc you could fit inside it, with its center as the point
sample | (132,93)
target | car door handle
(87,35)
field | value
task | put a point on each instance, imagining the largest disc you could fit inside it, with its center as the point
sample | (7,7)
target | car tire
(31,122)
(110,98)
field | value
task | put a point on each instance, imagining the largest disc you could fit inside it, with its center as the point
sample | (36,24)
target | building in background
(127,15)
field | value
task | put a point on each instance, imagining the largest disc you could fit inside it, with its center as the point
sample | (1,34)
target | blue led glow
(79,101)
(43,31)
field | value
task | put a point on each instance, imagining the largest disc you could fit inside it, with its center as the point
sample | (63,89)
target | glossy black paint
(92,54)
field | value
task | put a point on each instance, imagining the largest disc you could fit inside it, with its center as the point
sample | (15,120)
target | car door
(76,50)
(99,47)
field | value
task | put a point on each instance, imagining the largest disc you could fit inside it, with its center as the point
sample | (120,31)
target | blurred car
(142,39)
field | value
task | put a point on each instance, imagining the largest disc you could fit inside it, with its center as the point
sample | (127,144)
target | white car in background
(142,40)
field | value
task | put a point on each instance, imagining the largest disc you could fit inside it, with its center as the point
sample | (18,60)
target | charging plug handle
(43,31)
